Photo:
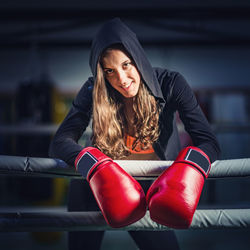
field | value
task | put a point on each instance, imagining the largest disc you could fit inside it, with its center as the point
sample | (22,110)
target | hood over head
(113,32)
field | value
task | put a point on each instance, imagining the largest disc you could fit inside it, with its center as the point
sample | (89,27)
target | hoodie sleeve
(193,118)
(65,145)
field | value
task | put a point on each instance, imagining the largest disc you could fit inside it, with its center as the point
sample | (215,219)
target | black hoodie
(169,88)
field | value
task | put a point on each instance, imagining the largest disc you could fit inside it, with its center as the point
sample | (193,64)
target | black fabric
(199,159)
(86,162)
(115,31)
(146,240)
(169,88)
(82,199)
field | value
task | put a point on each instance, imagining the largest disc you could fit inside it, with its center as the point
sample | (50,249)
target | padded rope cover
(46,167)
(80,221)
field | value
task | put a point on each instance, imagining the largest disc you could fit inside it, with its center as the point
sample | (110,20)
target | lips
(127,87)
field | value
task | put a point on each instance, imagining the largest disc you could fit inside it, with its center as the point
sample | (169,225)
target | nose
(122,77)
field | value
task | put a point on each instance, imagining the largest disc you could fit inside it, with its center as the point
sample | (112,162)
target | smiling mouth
(127,87)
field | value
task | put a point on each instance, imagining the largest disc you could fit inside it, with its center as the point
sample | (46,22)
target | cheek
(136,76)
(112,82)
(114,85)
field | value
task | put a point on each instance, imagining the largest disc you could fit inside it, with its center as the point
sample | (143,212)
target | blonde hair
(110,122)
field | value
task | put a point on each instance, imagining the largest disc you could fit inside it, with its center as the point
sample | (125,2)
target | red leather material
(119,196)
(173,197)
(183,155)
(97,154)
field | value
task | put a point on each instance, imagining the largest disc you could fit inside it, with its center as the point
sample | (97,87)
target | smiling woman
(133,110)
(123,99)
(121,72)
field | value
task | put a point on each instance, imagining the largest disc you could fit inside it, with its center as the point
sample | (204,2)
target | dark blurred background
(44,50)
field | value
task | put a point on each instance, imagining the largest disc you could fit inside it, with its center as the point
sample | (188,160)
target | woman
(133,107)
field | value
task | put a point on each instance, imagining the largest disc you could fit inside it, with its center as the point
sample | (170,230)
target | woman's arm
(65,142)
(193,118)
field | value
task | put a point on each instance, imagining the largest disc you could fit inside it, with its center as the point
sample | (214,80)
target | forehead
(114,57)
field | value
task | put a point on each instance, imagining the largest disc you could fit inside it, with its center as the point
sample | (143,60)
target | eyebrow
(128,60)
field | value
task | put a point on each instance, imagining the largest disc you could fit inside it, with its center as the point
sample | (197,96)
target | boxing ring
(55,221)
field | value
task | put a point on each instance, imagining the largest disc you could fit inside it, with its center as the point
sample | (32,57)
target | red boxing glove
(119,196)
(173,197)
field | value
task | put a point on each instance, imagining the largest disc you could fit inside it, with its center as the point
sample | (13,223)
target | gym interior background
(44,51)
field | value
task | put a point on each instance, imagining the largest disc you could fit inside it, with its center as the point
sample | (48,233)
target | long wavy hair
(109,120)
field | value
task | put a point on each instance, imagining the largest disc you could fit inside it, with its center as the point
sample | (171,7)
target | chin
(128,95)
(131,93)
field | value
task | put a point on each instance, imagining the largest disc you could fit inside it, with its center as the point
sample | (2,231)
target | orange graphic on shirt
(129,140)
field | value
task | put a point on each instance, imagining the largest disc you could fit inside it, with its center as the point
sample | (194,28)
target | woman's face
(121,73)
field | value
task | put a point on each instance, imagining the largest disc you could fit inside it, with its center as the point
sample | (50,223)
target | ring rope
(74,221)
(48,167)
(94,221)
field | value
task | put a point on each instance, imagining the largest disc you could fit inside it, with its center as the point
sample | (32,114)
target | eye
(108,71)
(126,65)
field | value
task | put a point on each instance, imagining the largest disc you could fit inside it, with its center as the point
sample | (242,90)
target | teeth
(126,86)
